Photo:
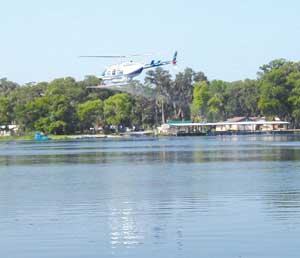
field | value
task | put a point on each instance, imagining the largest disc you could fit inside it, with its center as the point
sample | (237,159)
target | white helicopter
(123,73)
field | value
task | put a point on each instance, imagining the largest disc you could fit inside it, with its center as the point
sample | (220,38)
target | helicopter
(123,73)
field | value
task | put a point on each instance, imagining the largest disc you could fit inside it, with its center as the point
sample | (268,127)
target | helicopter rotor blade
(104,56)
(134,55)
(147,54)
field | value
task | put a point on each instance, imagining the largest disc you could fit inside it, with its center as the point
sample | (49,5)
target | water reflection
(166,155)
(171,197)
(124,228)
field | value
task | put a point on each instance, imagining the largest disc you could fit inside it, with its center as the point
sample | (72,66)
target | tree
(30,112)
(200,77)
(201,96)
(65,105)
(182,93)
(54,110)
(243,97)
(117,110)
(161,79)
(275,89)
(90,114)
(67,87)
(294,99)
(5,118)
(7,86)
(218,99)
(143,112)
(62,115)
(91,80)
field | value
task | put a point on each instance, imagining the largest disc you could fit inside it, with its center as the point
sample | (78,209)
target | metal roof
(232,123)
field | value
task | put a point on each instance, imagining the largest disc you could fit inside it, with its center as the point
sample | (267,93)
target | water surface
(151,197)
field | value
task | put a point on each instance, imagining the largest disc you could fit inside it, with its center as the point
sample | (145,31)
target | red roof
(237,119)
(243,119)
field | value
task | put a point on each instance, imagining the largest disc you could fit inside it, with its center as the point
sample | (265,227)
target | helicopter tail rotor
(174,60)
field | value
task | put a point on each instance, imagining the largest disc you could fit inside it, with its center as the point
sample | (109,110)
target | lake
(225,196)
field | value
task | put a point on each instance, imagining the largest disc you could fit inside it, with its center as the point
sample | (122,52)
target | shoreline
(58,137)
(141,134)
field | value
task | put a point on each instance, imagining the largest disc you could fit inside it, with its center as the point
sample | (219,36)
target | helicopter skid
(108,86)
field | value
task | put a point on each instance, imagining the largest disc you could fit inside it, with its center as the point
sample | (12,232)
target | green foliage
(5,118)
(173,97)
(182,93)
(201,96)
(243,97)
(117,110)
(161,80)
(65,105)
(91,114)
(294,99)
(52,109)
(67,87)
(217,104)
(276,90)
(7,86)
(91,80)
(143,113)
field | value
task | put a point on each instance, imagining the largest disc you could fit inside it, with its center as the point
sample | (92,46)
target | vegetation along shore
(65,106)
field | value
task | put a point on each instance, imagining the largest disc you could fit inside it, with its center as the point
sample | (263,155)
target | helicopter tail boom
(161,63)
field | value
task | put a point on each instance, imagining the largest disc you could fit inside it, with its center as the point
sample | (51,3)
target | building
(232,125)
(8,130)
(251,124)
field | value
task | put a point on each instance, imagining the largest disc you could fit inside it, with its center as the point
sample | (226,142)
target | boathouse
(232,125)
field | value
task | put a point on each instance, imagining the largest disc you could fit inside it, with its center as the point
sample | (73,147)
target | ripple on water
(150,197)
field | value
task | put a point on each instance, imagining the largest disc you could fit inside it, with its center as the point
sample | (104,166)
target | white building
(250,124)
(236,124)
(8,130)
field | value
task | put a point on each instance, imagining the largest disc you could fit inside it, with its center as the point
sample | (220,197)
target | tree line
(66,106)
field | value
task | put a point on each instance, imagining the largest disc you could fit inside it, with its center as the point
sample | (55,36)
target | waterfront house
(250,124)
(8,130)
(232,125)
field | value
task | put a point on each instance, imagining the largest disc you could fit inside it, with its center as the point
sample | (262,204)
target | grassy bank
(30,137)
(20,138)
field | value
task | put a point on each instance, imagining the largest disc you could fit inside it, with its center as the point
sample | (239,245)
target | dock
(246,126)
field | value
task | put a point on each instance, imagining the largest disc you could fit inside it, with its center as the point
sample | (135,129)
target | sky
(228,40)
